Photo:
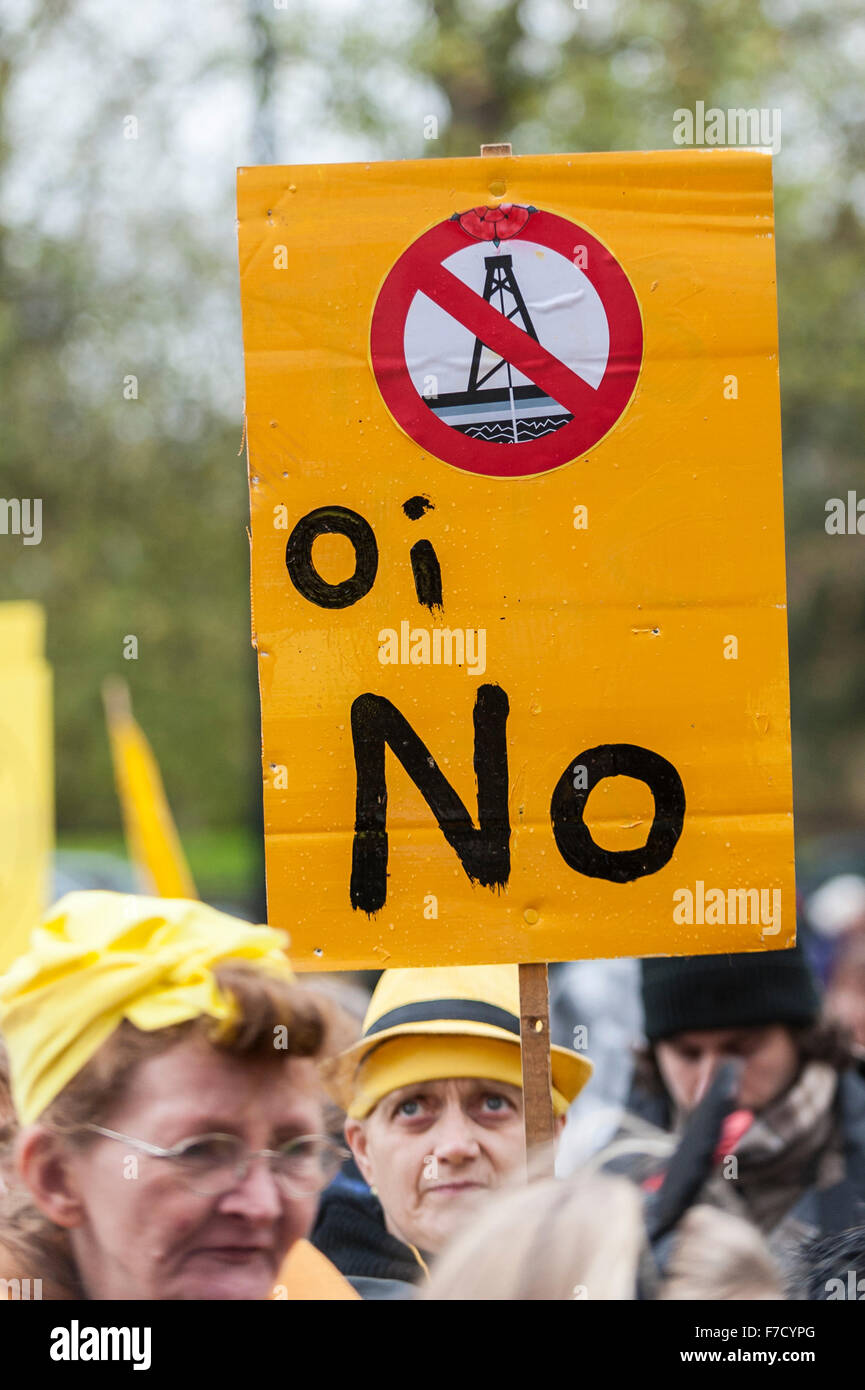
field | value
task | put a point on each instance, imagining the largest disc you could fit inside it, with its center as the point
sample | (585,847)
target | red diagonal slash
(502,336)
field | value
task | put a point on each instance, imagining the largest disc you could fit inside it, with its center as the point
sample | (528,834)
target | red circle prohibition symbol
(594,412)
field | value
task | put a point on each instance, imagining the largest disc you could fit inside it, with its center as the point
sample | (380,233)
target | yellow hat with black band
(440,1023)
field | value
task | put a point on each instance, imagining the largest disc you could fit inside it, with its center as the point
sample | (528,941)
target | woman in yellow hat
(163,1068)
(433,1098)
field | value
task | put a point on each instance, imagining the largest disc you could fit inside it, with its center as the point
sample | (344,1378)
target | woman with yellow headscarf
(163,1069)
(432,1093)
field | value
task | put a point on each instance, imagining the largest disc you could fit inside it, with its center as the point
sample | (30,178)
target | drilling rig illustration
(493,408)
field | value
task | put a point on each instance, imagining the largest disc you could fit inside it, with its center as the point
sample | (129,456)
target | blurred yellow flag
(26,775)
(151,835)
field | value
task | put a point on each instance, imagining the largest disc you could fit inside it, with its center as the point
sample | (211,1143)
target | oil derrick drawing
(499,405)
(500,280)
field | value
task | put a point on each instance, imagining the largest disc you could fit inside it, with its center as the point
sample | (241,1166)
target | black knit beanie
(683,994)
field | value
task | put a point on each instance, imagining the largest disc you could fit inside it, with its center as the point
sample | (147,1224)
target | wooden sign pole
(534,1021)
(537,1079)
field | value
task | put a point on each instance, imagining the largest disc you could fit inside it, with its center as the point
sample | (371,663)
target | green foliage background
(145,502)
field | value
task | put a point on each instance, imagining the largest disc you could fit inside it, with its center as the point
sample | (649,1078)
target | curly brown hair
(267,1005)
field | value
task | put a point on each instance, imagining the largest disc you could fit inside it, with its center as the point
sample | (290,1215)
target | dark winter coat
(819,1210)
(350,1230)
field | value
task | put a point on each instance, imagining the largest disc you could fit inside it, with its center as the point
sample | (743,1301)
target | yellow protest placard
(518,557)
(26,775)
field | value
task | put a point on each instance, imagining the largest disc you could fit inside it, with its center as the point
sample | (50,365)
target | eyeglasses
(212,1164)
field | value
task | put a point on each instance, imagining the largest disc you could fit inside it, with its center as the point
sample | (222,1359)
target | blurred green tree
(118,261)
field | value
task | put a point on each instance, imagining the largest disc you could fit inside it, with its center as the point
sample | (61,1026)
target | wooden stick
(496,149)
(537,1078)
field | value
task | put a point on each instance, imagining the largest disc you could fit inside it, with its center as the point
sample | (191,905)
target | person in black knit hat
(786,1147)
(700,1009)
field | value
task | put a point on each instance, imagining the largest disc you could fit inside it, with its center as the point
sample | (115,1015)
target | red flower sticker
(494,224)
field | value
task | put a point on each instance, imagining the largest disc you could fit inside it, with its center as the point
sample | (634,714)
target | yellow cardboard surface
(26,775)
(615,630)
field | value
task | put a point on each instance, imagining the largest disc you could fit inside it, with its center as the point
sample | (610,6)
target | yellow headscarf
(98,958)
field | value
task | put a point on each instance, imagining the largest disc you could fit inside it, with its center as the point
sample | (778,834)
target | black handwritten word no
(483,850)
